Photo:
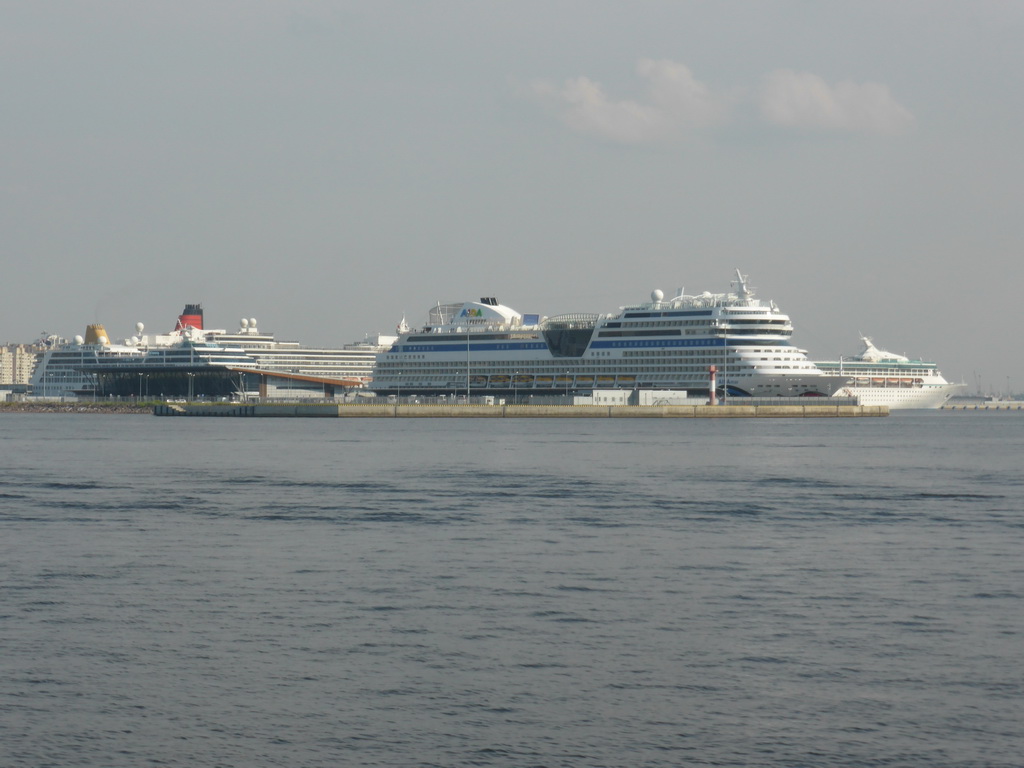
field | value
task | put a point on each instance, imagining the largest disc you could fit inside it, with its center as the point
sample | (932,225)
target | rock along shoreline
(103,408)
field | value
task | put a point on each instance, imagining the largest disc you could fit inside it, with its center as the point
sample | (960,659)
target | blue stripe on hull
(660,343)
(530,346)
(504,346)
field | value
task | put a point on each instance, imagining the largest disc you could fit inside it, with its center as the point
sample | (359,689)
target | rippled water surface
(253,592)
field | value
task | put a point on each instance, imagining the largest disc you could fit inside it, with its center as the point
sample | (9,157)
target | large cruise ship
(192,360)
(350,362)
(483,347)
(143,364)
(877,377)
(61,368)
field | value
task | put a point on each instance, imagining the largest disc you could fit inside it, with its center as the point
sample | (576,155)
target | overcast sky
(327,167)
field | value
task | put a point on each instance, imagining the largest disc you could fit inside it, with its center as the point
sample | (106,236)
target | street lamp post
(725,380)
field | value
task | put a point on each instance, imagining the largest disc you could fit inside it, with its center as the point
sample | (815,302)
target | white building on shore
(17,362)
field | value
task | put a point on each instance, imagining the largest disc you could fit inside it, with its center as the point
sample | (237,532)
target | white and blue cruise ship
(483,347)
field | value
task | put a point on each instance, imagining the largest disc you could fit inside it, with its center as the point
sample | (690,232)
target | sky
(330,167)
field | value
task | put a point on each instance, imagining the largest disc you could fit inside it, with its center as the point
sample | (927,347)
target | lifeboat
(499,380)
(478,381)
(522,379)
(544,381)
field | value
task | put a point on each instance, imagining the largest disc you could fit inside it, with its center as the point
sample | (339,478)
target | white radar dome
(139,328)
(103,340)
(252,322)
(79,340)
(135,340)
(657,294)
(244,322)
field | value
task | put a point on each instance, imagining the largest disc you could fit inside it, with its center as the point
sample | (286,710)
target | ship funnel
(191,316)
(96,334)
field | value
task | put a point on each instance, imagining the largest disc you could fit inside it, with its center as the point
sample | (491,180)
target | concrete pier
(994,405)
(392,410)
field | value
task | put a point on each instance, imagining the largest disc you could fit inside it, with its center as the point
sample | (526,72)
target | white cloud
(673,103)
(804,100)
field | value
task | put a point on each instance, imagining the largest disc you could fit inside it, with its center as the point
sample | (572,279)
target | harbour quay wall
(997,405)
(391,410)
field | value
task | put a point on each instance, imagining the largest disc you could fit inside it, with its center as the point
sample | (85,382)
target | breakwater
(76,407)
(995,405)
(393,410)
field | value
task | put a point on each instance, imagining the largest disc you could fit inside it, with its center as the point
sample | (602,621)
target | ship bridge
(569,335)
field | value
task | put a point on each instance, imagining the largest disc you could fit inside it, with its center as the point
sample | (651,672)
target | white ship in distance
(877,377)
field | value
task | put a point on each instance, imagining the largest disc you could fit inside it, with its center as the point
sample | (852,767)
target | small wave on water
(775,594)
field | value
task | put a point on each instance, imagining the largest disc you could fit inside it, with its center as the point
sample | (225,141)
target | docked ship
(351,363)
(484,347)
(193,360)
(877,377)
(178,362)
(63,367)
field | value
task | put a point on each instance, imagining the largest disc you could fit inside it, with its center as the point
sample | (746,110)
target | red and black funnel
(191,317)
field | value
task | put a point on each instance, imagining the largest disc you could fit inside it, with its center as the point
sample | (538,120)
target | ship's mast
(742,292)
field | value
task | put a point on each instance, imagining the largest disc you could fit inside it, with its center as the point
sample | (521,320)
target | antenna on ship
(740,282)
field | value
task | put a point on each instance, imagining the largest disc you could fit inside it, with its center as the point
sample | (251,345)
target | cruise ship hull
(542,384)
(897,397)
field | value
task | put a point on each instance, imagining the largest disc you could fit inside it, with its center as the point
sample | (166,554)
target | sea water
(667,592)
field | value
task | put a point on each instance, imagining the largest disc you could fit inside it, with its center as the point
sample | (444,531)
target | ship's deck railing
(574,321)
